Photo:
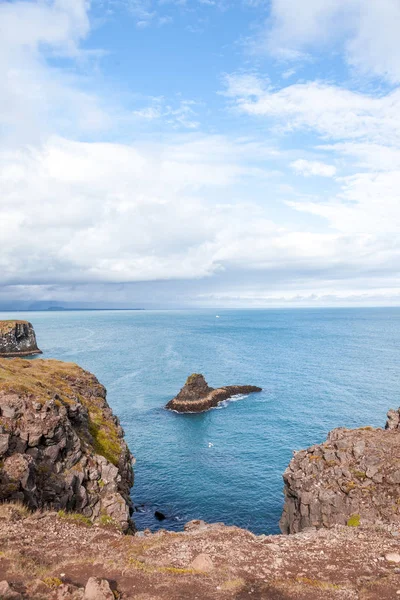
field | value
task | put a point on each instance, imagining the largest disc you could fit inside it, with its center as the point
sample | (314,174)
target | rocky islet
(197,396)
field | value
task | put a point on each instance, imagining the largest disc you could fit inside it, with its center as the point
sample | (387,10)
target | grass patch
(75,518)
(106,441)
(52,582)
(353,521)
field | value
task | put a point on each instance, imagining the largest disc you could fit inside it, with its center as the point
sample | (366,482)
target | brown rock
(98,589)
(7,593)
(203,563)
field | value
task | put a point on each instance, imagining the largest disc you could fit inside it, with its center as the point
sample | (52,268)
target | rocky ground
(44,556)
(197,396)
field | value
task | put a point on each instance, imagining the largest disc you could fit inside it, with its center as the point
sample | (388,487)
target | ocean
(319,369)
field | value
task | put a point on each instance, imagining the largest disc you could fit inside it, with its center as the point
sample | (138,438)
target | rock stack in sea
(61,447)
(197,396)
(351,479)
(17,338)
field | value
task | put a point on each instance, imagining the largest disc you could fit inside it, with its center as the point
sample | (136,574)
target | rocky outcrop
(197,396)
(351,479)
(17,338)
(61,447)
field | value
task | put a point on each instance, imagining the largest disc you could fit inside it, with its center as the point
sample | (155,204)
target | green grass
(353,521)
(75,518)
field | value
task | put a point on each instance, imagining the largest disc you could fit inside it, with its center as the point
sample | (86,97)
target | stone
(197,396)
(393,557)
(203,563)
(4,443)
(159,515)
(17,338)
(98,589)
(7,593)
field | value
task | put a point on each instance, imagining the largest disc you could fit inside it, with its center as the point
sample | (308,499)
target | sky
(200,153)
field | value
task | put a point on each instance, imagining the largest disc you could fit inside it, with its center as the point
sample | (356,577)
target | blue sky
(200,152)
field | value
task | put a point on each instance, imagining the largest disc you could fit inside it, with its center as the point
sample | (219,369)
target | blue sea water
(319,369)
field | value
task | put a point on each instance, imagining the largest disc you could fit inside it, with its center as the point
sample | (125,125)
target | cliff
(353,478)
(197,396)
(60,445)
(17,338)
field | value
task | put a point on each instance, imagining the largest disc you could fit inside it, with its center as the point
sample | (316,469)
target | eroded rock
(17,338)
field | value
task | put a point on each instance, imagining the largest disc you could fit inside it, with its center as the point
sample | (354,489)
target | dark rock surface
(17,338)
(353,478)
(61,447)
(197,396)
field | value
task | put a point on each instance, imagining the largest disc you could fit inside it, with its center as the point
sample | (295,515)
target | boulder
(98,589)
(17,338)
(203,563)
(7,593)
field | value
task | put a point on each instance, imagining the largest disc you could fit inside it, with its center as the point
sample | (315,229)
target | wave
(226,403)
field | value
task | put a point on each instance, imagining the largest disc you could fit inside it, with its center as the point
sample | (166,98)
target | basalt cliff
(17,338)
(61,448)
(196,395)
(351,479)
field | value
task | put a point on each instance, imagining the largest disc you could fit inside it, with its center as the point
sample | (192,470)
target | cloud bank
(301,209)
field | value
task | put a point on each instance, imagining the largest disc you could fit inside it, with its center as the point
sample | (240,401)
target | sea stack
(197,396)
(17,338)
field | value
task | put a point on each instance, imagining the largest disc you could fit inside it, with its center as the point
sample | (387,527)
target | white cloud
(330,110)
(365,30)
(364,128)
(313,167)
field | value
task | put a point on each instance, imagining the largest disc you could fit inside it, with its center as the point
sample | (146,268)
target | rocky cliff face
(353,478)
(17,338)
(60,445)
(197,396)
